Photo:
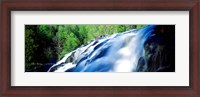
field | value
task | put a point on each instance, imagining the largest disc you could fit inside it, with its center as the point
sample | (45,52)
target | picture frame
(193,90)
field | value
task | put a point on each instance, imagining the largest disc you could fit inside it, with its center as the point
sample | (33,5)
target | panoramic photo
(99,48)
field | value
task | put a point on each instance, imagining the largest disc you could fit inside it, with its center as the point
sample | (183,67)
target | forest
(46,44)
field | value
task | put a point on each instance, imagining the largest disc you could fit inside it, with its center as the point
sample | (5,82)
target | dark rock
(142,66)
(159,51)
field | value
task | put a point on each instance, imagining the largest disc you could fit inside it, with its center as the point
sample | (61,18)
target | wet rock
(142,66)
(159,51)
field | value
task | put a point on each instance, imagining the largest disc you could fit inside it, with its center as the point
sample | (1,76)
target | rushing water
(114,53)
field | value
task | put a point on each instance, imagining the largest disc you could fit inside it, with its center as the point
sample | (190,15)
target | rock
(142,66)
(159,51)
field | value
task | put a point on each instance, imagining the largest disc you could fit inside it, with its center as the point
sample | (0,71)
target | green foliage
(31,46)
(45,42)
(140,26)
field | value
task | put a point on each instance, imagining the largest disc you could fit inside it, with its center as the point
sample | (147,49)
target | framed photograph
(66,48)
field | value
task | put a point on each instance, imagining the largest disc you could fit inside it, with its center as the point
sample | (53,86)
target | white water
(114,53)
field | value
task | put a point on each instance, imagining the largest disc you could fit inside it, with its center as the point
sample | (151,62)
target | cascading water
(114,53)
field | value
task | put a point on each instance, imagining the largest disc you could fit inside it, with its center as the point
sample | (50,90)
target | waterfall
(112,53)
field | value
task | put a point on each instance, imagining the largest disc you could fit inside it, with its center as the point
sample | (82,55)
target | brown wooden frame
(6,90)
